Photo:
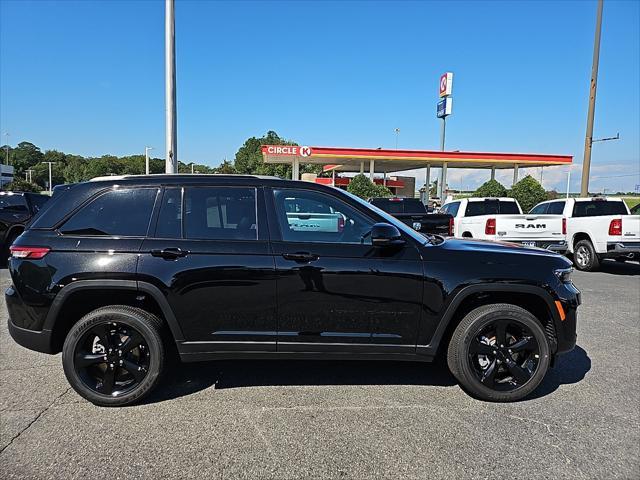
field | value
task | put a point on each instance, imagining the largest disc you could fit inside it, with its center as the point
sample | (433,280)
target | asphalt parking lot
(341,420)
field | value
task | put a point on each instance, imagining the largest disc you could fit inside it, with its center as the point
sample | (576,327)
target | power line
(618,176)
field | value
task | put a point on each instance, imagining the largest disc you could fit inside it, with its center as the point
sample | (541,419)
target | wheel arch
(579,236)
(532,298)
(79,298)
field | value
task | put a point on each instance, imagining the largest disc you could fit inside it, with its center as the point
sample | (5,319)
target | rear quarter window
(599,208)
(121,212)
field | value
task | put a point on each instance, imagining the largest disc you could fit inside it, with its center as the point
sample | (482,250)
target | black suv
(240,266)
(16,209)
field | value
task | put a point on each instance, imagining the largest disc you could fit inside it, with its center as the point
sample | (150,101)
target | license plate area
(529,244)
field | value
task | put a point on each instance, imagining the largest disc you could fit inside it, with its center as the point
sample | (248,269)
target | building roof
(350,159)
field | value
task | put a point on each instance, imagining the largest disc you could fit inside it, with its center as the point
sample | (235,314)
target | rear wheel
(114,355)
(585,256)
(499,353)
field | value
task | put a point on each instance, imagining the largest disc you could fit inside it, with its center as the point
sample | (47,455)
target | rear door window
(599,208)
(451,208)
(540,209)
(220,213)
(556,208)
(120,212)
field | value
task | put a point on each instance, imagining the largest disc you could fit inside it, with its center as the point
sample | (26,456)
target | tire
(124,352)
(585,256)
(500,375)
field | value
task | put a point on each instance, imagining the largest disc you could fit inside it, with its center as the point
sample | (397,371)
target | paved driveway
(340,420)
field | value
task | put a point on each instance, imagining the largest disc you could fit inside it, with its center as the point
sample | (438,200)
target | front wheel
(499,353)
(114,355)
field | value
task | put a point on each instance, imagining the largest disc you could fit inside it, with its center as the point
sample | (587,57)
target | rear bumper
(559,246)
(623,249)
(38,340)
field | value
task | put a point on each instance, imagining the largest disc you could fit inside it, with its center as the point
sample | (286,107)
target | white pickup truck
(596,228)
(502,219)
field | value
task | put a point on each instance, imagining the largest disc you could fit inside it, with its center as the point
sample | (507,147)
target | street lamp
(50,182)
(146,156)
(397,130)
(6,160)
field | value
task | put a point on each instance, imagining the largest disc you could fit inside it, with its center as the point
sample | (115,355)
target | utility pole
(6,160)
(171,162)
(50,181)
(588,141)
(146,159)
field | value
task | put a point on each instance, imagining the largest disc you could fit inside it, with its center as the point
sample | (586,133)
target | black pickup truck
(412,212)
(16,209)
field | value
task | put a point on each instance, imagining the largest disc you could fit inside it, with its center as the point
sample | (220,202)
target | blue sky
(88,77)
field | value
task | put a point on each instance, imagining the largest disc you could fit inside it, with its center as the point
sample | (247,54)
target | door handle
(169,253)
(302,257)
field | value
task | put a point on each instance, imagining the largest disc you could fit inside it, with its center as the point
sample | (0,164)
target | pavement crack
(258,430)
(554,445)
(37,417)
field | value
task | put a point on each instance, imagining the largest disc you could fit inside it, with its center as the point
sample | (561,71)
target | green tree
(20,185)
(361,186)
(248,159)
(26,155)
(492,188)
(225,167)
(75,170)
(528,192)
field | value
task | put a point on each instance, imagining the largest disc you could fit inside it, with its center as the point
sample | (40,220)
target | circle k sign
(305,151)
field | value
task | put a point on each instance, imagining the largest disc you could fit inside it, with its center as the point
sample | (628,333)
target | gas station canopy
(384,161)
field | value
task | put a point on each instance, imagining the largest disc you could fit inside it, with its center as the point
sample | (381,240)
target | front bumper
(565,330)
(623,249)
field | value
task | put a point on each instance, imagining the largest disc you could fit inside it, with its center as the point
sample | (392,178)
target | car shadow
(184,379)
(620,268)
(189,378)
(569,368)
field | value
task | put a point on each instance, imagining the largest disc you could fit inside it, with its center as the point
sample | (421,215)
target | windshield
(388,218)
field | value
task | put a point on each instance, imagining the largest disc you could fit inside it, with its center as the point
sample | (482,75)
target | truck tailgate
(529,227)
(631,228)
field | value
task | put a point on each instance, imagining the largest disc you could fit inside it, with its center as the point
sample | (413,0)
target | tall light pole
(588,141)
(171,162)
(50,181)
(146,159)
(397,130)
(6,147)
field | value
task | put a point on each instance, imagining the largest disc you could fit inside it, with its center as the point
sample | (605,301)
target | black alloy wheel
(112,358)
(504,355)
(114,355)
(499,352)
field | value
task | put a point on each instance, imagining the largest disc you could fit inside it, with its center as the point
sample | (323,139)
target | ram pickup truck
(16,209)
(412,212)
(502,219)
(596,228)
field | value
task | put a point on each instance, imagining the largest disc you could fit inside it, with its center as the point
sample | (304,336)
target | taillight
(564,226)
(490,227)
(615,227)
(28,252)
(451,225)
(340,224)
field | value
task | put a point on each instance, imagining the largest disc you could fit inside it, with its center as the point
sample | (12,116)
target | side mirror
(385,235)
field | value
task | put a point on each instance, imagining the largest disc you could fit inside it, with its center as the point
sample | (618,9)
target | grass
(632,201)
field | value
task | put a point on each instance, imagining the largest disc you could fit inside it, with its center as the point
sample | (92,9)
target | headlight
(564,274)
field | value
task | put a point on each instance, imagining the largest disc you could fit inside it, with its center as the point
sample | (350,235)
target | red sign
(446,82)
(286,150)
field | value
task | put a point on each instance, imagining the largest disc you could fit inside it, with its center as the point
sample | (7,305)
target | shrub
(492,188)
(528,192)
(361,186)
